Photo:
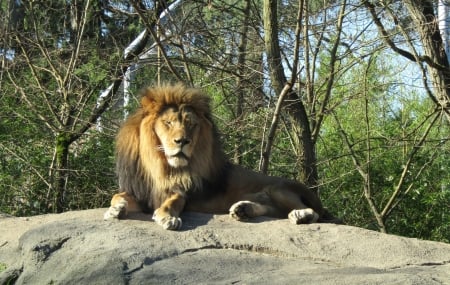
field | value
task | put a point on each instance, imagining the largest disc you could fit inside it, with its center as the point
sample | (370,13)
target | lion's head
(169,143)
(178,128)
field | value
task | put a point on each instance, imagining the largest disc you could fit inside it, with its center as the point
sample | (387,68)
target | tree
(306,125)
(58,73)
(417,19)
(384,154)
(309,90)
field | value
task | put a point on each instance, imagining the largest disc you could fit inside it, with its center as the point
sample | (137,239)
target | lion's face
(177,129)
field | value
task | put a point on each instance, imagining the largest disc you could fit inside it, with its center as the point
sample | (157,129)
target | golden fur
(169,159)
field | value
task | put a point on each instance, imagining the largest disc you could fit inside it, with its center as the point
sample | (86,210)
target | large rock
(81,248)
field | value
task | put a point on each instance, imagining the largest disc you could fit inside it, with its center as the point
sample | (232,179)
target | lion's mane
(142,168)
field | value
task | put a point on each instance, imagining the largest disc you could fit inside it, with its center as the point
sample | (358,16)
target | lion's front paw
(166,221)
(304,216)
(243,210)
(116,210)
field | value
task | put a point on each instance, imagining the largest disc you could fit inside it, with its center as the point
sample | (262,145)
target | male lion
(169,158)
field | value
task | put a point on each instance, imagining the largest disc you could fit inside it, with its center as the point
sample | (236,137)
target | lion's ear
(146,101)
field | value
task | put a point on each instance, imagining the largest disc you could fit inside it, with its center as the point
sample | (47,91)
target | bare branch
(331,76)
(26,162)
(150,28)
(407,166)
(40,44)
(265,155)
(75,53)
(387,39)
(364,175)
(32,106)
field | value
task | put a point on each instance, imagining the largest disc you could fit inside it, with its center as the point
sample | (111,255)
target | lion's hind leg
(121,204)
(253,205)
(303,216)
(244,210)
(290,200)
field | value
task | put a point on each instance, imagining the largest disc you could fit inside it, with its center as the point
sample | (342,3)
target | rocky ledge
(80,248)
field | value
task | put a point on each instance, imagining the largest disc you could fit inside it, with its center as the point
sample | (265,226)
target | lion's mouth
(178,160)
(180,155)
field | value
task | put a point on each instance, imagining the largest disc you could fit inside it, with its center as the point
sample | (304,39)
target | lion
(169,159)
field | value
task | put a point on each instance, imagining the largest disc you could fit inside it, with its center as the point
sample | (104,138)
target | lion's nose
(182,141)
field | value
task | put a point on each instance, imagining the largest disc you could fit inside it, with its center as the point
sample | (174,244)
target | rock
(80,248)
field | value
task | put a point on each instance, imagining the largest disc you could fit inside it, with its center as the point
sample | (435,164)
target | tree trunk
(240,84)
(292,104)
(61,173)
(422,13)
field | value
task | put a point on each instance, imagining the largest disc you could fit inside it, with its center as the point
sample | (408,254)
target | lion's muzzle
(177,158)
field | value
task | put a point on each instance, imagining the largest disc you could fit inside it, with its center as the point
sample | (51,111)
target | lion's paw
(167,222)
(242,210)
(303,216)
(116,210)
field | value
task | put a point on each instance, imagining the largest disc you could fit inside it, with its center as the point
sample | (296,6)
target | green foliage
(41,111)
(92,179)
(396,125)
(49,91)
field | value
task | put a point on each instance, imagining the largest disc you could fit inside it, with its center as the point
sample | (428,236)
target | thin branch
(34,73)
(150,28)
(407,166)
(388,41)
(265,155)
(330,81)
(417,59)
(131,52)
(32,106)
(364,175)
(74,57)
(108,94)
(44,51)
(408,189)
(14,153)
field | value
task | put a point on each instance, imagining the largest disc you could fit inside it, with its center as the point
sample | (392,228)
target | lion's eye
(168,123)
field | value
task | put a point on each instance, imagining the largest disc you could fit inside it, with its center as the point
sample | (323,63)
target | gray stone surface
(80,248)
